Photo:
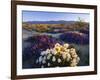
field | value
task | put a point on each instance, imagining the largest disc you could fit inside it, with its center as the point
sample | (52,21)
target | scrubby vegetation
(75,37)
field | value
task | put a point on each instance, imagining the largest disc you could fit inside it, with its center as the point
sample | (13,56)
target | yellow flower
(63,49)
(58,49)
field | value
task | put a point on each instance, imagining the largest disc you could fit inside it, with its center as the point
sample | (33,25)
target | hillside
(55,26)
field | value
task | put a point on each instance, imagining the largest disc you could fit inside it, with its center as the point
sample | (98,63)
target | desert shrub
(38,43)
(42,43)
(86,31)
(41,27)
(80,22)
(75,37)
(59,56)
(27,26)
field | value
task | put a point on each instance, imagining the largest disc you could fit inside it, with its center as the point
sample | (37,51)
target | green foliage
(80,22)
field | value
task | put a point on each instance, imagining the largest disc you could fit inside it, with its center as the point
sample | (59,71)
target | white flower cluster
(60,55)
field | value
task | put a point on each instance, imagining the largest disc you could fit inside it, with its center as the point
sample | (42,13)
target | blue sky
(53,16)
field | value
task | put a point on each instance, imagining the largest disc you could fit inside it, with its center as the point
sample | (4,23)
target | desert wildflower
(72,50)
(40,58)
(58,49)
(64,55)
(48,64)
(48,51)
(43,53)
(68,57)
(53,51)
(49,56)
(43,61)
(59,60)
(58,54)
(66,45)
(53,59)
(57,45)
(73,64)
(63,49)
(44,57)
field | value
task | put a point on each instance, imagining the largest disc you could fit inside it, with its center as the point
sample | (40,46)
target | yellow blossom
(63,49)
(58,49)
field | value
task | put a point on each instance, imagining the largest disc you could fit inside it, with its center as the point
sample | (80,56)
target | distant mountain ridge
(50,22)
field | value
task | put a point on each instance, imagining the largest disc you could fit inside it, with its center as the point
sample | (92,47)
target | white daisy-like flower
(43,53)
(43,61)
(67,50)
(47,51)
(40,58)
(53,51)
(68,57)
(48,64)
(74,55)
(73,64)
(49,56)
(74,60)
(63,55)
(53,59)
(57,45)
(72,50)
(66,45)
(59,60)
